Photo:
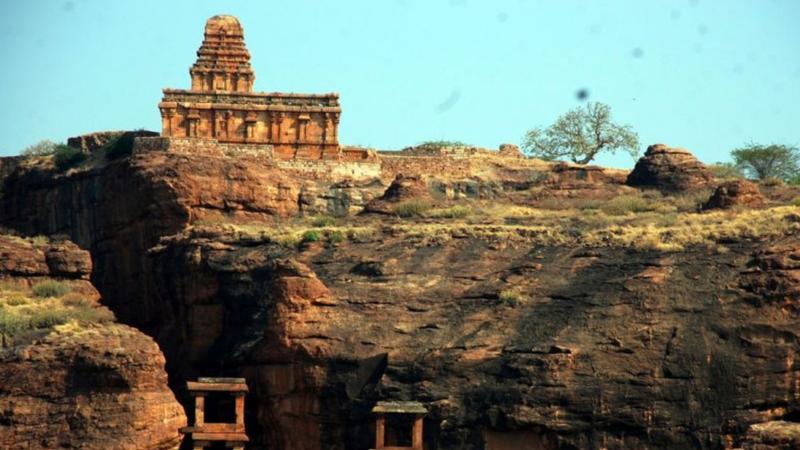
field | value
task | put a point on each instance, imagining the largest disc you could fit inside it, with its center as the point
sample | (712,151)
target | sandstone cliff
(72,378)
(530,305)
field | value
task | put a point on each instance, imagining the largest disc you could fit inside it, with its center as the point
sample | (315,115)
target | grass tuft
(50,288)
(412,208)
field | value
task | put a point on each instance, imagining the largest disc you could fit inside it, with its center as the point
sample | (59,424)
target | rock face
(508,343)
(735,193)
(579,349)
(670,170)
(93,386)
(97,388)
(403,188)
(774,276)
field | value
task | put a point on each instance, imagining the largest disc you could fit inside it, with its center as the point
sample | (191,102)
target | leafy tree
(40,148)
(580,135)
(768,161)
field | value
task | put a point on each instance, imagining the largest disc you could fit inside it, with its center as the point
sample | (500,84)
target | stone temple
(222,106)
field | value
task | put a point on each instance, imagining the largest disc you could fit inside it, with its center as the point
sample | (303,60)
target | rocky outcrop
(403,188)
(509,151)
(775,435)
(95,388)
(567,180)
(670,170)
(735,193)
(81,384)
(579,349)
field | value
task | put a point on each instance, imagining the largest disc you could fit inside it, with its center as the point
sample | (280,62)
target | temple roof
(223,62)
(399,408)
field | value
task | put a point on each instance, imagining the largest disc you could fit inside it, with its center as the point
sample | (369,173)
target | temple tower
(223,62)
(222,105)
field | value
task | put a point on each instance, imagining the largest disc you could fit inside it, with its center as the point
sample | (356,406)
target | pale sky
(708,75)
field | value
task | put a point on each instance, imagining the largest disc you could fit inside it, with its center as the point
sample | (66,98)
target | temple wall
(322,169)
(272,127)
(205,147)
(391,165)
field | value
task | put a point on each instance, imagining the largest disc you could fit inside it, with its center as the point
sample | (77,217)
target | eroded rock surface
(581,348)
(403,188)
(76,385)
(735,193)
(669,169)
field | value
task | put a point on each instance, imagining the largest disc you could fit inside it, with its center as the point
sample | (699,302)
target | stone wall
(206,147)
(332,170)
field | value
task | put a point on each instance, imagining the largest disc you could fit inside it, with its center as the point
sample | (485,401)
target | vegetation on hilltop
(28,311)
(768,161)
(580,135)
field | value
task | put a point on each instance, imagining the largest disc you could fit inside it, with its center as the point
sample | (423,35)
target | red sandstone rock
(670,170)
(100,387)
(510,151)
(403,188)
(775,276)
(735,193)
(89,386)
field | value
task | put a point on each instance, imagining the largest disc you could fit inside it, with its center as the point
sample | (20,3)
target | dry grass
(646,221)
(24,312)
(652,231)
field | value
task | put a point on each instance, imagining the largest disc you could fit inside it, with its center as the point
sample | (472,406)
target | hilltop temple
(222,106)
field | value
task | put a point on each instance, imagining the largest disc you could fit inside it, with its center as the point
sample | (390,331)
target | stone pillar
(335,129)
(380,432)
(281,119)
(416,438)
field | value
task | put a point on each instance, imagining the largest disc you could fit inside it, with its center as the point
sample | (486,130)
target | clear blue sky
(702,74)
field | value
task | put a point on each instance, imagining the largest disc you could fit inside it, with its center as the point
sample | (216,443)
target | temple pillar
(335,129)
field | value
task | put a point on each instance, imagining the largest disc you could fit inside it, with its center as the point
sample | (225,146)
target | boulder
(735,193)
(670,170)
(510,151)
(402,189)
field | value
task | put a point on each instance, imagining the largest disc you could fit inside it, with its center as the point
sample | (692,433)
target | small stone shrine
(205,434)
(389,429)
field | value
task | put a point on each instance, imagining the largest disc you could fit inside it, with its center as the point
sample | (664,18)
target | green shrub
(50,288)
(41,148)
(311,236)
(91,314)
(453,212)
(48,318)
(336,237)
(65,157)
(323,221)
(442,143)
(76,300)
(10,323)
(626,204)
(796,201)
(411,208)
(17,300)
(120,146)
(510,296)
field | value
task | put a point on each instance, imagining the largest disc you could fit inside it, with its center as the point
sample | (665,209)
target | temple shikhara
(222,106)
